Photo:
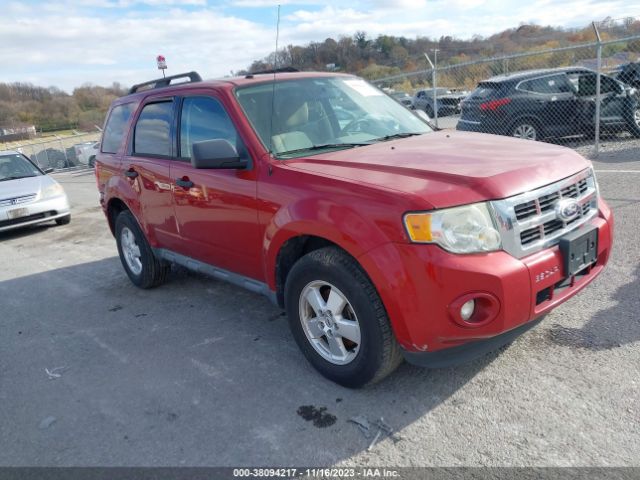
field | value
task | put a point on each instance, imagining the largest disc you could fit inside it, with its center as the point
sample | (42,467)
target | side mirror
(217,153)
(48,170)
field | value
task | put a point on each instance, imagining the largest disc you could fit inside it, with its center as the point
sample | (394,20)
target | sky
(66,43)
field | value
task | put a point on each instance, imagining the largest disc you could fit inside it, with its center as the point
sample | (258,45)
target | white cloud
(67,43)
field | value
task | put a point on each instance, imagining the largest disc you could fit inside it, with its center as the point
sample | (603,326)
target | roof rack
(276,70)
(165,82)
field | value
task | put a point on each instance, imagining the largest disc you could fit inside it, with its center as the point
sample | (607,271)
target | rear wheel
(144,269)
(526,130)
(338,319)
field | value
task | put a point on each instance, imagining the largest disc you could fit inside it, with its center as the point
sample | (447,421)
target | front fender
(319,217)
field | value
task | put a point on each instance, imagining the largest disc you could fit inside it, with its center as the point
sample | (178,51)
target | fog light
(467,310)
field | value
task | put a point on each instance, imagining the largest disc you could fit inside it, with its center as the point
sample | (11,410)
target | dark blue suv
(550,103)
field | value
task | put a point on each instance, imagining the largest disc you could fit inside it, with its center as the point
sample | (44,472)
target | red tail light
(494,105)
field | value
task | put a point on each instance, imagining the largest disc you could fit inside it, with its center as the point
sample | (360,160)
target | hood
(24,186)
(448,168)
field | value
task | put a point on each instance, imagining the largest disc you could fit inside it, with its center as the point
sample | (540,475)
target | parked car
(447,101)
(86,152)
(381,238)
(28,196)
(404,98)
(538,104)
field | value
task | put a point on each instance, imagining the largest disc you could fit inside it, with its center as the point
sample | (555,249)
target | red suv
(382,238)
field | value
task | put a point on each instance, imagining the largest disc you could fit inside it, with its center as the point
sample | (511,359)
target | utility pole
(435,84)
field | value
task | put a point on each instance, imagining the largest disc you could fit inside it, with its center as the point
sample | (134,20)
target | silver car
(27,195)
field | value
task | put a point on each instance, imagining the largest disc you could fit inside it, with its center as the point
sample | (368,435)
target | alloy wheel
(131,251)
(525,131)
(329,322)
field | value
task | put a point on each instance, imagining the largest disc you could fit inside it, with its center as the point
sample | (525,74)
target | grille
(528,222)
(549,228)
(7,202)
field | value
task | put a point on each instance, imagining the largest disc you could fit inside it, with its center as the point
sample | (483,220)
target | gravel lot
(197,372)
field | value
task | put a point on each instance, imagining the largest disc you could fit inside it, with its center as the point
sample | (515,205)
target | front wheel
(144,269)
(634,123)
(338,319)
(63,220)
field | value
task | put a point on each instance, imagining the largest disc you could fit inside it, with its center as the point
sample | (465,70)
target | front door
(216,209)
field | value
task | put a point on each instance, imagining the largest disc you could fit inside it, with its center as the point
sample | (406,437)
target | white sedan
(28,195)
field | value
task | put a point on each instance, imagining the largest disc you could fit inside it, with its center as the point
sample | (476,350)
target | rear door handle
(131,173)
(184,183)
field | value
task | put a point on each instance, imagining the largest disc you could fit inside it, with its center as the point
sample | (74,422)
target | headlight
(466,229)
(54,190)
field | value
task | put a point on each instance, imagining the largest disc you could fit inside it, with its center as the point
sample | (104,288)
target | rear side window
(204,118)
(152,135)
(116,127)
(546,85)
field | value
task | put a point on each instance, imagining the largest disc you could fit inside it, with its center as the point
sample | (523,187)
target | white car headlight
(465,229)
(54,190)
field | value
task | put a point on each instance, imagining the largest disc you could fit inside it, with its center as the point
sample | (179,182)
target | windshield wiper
(323,146)
(396,135)
(16,178)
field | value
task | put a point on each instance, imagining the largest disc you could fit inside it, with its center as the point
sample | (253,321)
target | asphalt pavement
(95,372)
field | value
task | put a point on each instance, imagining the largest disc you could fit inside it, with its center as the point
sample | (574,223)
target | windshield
(14,166)
(315,114)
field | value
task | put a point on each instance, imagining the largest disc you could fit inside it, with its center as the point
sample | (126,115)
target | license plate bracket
(579,249)
(17,213)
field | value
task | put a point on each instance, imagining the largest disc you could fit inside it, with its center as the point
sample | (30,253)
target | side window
(115,128)
(584,83)
(608,85)
(546,85)
(204,118)
(152,135)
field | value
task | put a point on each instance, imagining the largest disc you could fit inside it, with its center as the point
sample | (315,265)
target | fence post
(435,85)
(598,95)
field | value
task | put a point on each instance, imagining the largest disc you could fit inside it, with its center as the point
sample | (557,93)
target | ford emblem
(567,209)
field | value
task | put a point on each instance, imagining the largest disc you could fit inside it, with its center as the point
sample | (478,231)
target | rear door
(552,100)
(216,209)
(146,168)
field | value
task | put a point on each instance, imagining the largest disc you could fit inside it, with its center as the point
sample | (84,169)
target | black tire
(92,161)
(634,122)
(153,270)
(378,353)
(526,124)
(63,220)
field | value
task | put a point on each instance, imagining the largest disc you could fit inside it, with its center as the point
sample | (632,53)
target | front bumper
(32,213)
(419,284)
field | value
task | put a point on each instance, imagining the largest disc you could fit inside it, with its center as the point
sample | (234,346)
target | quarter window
(546,85)
(115,129)
(153,130)
(204,118)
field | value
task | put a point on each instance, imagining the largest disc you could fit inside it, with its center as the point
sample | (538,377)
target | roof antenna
(273,91)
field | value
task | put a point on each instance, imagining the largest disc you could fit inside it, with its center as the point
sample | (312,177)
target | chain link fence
(57,152)
(577,94)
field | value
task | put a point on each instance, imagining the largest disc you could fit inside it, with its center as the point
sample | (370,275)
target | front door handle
(131,173)
(184,183)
